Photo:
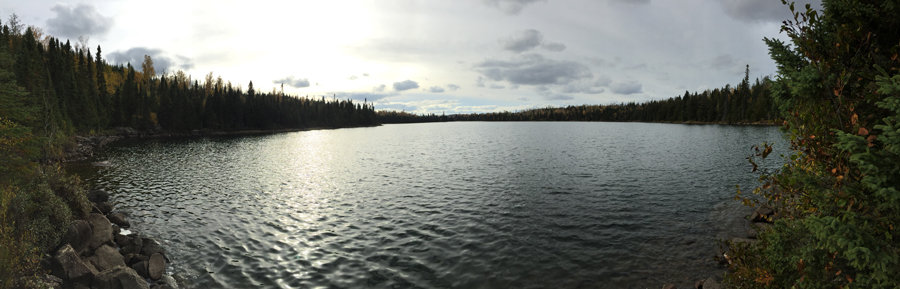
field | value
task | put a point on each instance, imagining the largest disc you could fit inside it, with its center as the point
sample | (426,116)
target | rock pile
(94,253)
(760,220)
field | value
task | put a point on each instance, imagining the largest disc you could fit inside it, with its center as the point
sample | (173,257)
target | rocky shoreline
(760,220)
(101,252)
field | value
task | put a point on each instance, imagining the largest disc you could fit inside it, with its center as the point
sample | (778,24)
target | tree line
(75,91)
(741,104)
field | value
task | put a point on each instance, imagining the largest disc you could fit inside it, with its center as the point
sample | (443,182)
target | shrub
(838,90)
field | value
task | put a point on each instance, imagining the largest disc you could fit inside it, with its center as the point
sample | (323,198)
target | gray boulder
(98,196)
(150,247)
(762,213)
(134,245)
(118,219)
(119,277)
(102,208)
(142,268)
(711,283)
(69,267)
(157,266)
(106,257)
(102,231)
(121,240)
(50,281)
(78,235)
(168,280)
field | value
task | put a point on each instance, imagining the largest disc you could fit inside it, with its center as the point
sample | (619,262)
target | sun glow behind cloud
(466,55)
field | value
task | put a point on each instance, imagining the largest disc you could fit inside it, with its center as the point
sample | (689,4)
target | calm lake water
(443,205)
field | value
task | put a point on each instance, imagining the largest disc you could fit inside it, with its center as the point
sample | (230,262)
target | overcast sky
(433,56)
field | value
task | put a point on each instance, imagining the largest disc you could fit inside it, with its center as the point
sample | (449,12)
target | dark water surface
(445,205)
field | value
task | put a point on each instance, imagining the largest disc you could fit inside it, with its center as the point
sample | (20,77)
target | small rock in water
(98,196)
(157,266)
(125,232)
(118,219)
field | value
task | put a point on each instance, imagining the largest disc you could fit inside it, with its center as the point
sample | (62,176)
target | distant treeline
(391,116)
(72,91)
(745,103)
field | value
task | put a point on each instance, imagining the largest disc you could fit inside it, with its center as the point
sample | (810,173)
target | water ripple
(453,205)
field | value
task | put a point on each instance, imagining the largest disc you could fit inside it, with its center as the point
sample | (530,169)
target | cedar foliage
(838,88)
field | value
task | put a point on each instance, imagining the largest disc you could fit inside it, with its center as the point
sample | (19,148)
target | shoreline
(104,251)
(85,145)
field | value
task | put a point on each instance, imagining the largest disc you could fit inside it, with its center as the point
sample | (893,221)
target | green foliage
(838,89)
(39,211)
(17,256)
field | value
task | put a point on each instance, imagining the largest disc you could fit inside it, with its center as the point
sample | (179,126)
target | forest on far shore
(745,103)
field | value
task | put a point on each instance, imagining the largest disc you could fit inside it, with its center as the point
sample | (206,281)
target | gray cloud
(363,96)
(636,66)
(496,86)
(600,62)
(479,82)
(405,85)
(353,77)
(727,63)
(522,41)
(722,61)
(764,11)
(379,88)
(366,74)
(514,86)
(436,89)
(553,46)
(294,82)
(453,87)
(522,98)
(186,63)
(589,86)
(510,7)
(533,69)
(161,62)
(627,87)
(83,19)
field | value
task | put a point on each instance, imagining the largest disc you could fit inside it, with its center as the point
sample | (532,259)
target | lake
(438,205)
